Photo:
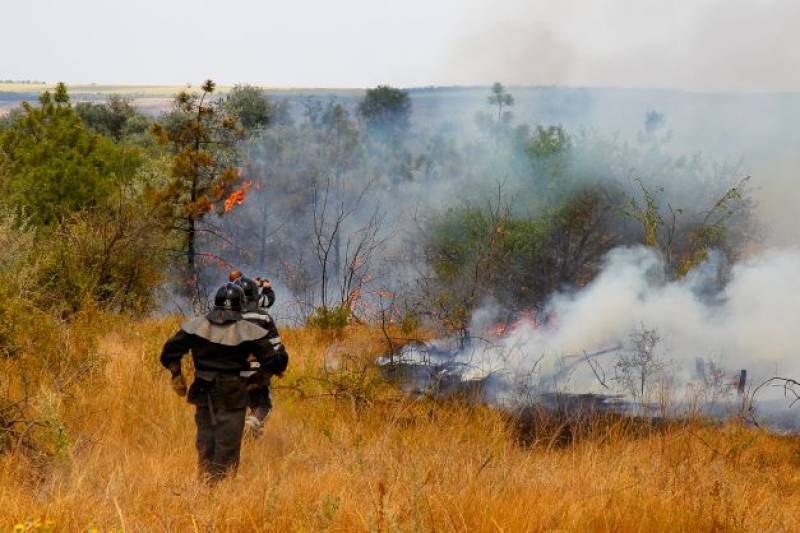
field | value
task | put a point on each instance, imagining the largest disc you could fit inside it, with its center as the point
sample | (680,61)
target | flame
(237,197)
(525,318)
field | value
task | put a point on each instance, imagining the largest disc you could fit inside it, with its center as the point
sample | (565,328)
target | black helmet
(249,287)
(228,304)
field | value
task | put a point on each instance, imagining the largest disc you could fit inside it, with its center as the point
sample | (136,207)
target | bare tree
(359,249)
(637,367)
(332,214)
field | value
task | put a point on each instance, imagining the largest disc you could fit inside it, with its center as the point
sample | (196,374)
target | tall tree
(54,165)
(250,105)
(498,124)
(386,112)
(501,98)
(341,138)
(108,118)
(203,139)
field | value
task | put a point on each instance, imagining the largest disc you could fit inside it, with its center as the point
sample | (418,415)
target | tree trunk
(337,254)
(191,236)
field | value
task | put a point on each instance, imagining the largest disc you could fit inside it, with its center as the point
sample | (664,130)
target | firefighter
(220,343)
(266,293)
(259,379)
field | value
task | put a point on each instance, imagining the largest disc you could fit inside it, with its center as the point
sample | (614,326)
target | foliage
(18,275)
(653,122)
(281,113)
(117,118)
(546,152)
(51,165)
(112,256)
(497,124)
(685,238)
(312,172)
(386,112)
(517,260)
(466,247)
(333,319)
(248,104)
(39,352)
(500,98)
(559,211)
(545,143)
(202,137)
(10,118)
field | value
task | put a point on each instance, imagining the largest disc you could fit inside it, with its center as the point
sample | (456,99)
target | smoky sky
(699,45)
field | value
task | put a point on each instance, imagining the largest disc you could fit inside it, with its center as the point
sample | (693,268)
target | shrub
(113,257)
(54,165)
(518,260)
(333,319)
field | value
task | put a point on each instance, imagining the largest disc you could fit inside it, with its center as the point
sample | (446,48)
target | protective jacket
(220,350)
(259,317)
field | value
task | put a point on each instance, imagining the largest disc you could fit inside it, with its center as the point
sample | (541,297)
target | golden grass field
(331,462)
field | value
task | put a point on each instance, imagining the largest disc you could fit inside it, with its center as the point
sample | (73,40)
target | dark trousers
(219,440)
(259,399)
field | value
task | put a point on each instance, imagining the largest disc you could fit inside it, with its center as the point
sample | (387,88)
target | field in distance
(150,98)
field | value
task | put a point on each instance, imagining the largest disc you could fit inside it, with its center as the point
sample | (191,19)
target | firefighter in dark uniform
(259,296)
(220,343)
(266,293)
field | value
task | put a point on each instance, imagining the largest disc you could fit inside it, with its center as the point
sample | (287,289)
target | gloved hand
(179,384)
(253,426)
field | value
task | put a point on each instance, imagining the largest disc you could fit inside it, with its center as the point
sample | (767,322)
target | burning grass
(346,451)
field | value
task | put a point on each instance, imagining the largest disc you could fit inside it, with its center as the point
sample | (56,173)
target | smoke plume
(749,324)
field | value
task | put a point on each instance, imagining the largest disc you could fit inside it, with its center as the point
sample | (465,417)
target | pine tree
(203,139)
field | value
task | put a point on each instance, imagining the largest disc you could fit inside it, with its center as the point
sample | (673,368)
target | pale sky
(706,45)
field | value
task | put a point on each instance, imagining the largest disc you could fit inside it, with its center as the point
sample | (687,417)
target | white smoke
(751,323)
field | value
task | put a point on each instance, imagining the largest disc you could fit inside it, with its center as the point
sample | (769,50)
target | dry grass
(390,464)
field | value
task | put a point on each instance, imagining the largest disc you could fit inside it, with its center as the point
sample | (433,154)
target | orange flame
(237,197)
(525,318)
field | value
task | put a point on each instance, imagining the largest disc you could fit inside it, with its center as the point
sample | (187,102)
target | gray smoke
(705,45)
(750,325)
(705,144)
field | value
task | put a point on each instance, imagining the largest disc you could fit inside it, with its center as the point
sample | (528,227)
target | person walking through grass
(259,380)
(221,343)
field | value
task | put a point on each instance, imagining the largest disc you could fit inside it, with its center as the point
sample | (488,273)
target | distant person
(266,292)
(259,379)
(220,343)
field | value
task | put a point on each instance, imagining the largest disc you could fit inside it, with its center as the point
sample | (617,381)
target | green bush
(518,260)
(52,165)
(333,319)
(113,257)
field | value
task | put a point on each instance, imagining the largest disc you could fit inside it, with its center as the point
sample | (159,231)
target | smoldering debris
(633,342)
